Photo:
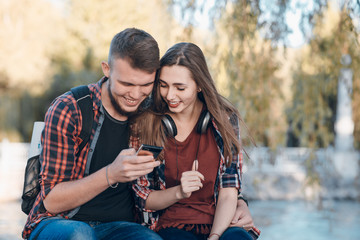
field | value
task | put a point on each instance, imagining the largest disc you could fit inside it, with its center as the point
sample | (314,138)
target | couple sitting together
(106,190)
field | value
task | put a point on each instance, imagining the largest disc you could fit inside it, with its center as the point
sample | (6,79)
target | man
(87,195)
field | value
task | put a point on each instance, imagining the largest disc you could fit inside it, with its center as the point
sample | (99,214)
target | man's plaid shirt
(60,140)
(226,176)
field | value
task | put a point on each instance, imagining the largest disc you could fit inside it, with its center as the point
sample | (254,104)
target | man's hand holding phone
(130,165)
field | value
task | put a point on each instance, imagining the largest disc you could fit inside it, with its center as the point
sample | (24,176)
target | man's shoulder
(63,102)
(67,99)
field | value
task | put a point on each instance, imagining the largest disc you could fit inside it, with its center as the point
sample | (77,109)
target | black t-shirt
(114,204)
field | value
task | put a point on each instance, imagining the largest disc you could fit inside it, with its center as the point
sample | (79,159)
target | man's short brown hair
(136,46)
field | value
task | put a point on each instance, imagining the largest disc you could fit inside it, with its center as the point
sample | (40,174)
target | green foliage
(253,87)
(67,76)
(313,109)
(52,49)
(244,66)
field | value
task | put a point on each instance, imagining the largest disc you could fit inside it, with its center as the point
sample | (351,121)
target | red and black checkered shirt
(60,141)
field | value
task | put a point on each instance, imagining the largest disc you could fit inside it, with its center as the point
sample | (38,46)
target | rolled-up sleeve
(231,175)
(142,188)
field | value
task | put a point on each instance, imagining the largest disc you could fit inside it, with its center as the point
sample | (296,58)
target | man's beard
(117,106)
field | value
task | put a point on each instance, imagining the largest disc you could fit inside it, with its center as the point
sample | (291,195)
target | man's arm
(242,217)
(61,188)
(71,194)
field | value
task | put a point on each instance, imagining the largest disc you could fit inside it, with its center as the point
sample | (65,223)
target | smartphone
(145,149)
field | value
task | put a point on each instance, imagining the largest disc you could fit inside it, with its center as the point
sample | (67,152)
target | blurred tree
(267,16)
(91,24)
(26,47)
(89,28)
(48,47)
(313,110)
(246,65)
(25,42)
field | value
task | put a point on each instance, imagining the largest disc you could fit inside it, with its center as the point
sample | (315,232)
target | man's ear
(105,68)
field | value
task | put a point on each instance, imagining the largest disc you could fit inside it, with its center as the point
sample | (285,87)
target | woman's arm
(224,212)
(158,200)
(190,182)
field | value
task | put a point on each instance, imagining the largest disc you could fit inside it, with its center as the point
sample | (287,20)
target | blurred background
(291,67)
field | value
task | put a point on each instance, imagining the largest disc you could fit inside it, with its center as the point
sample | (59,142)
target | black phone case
(154,149)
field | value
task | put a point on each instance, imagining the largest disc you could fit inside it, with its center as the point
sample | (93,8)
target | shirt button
(90,150)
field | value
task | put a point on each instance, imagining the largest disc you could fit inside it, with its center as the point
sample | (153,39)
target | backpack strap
(83,98)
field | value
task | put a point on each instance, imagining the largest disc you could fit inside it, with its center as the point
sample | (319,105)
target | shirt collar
(96,90)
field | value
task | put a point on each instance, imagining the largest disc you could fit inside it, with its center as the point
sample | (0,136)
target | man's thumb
(195,165)
(235,218)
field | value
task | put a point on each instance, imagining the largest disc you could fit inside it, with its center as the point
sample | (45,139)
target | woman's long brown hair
(149,126)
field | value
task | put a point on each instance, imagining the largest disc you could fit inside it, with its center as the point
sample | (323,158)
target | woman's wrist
(178,193)
(213,236)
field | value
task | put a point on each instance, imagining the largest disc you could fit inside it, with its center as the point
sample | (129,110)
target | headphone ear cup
(169,125)
(203,122)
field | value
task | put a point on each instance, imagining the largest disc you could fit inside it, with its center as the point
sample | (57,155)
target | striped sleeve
(141,186)
(231,176)
(59,140)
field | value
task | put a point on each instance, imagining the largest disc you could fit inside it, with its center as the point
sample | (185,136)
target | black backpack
(31,180)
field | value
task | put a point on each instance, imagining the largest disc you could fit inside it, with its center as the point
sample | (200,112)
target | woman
(197,185)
